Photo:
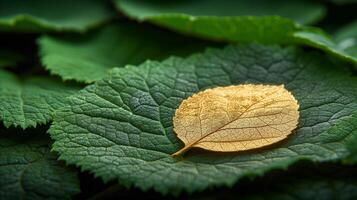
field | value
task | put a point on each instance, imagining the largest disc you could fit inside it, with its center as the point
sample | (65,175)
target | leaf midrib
(186,147)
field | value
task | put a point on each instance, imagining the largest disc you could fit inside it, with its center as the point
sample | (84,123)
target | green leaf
(325,43)
(347,38)
(268,30)
(32,101)
(121,126)
(187,19)
(87,58)
(10,58)
(29,170)
(304,12)
(50,15)
(209,19)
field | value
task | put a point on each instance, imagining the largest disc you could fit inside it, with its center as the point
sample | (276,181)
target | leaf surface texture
(87,58)
(121,127)
(29,102)
(29,170)
(236,118)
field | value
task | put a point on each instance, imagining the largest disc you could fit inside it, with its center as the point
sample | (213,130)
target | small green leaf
(29,102)
(121,126)
(28,169)
(304,12)
(50,15)
(87,58)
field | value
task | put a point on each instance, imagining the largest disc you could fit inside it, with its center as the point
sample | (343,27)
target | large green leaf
(185,17)
(32,101)
(301,11)
(121,126)
(208,19)
(50,15)
(28,169)
(88,58)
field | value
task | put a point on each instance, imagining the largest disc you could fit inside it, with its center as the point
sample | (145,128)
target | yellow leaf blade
(236,118)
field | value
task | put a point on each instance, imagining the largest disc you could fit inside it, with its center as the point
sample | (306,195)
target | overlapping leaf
(264,29)
(29,170)
(186,18)
(90,57)
(304,12)
(324,43)
(121,126)
(49,15)
(30,102)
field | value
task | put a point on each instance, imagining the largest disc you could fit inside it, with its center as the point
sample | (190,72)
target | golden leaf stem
(181,151)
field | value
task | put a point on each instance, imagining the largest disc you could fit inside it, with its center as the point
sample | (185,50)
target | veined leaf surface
(121,127)
(28,169)
(236,118)
(29,102)
(87,58)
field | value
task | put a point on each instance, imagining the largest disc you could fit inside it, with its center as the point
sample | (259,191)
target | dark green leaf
(304,12)
(186,18)
(87,58)
(32,101)
(28,169)
(325,43)
(50,15)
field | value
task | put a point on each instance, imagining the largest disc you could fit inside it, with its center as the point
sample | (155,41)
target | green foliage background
(88,89)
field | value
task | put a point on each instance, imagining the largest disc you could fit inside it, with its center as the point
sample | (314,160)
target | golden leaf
(236,118)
